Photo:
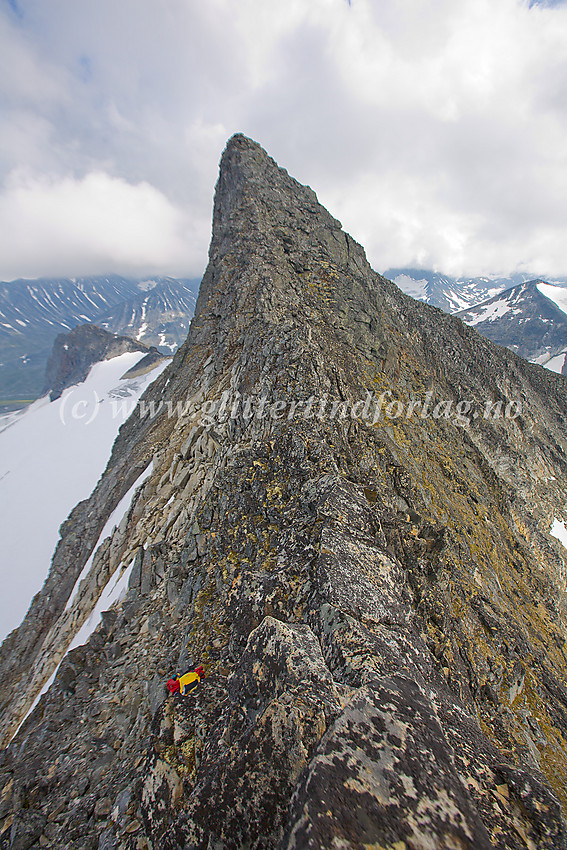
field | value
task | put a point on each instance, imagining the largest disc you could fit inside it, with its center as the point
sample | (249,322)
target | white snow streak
(144,324)
(44,689)
(112,522)
(114,591)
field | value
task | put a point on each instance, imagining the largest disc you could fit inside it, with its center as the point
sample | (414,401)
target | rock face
(75,352)
(146,364)
(375,594)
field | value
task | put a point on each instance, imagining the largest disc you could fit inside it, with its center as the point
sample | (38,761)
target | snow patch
(457,302)
(556,364)
(557,294)
(491,312)
(112,522)
(559,531)
(415,288)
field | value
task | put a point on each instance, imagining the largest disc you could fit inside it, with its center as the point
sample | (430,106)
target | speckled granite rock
(378,601)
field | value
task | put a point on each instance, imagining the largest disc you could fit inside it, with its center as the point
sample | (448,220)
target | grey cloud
(434,130)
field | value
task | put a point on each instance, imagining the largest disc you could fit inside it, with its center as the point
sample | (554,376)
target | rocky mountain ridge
(374,592)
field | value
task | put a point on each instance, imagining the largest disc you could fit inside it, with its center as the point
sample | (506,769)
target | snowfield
(557,294)
(559,531)
(492,312)
(415,288)
(554,364)
(51,457)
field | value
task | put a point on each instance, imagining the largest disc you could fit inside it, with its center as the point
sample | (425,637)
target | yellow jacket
(189,682)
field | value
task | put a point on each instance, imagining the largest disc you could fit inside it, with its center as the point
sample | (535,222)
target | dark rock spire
(363,566)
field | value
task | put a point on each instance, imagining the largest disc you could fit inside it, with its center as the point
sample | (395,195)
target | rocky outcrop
(146,364)
(75,352)
(371,586)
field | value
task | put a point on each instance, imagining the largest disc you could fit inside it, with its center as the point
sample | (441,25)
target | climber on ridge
(187,683)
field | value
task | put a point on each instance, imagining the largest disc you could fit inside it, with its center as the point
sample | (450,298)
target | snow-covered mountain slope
(528,319)
(34,312)
(48,303)
(556,292)
(74,354)
(528,316)
(449,293)
(160,316)
(51,456)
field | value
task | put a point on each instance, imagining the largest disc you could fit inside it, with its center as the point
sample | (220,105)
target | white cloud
(93,224)
(26,78)
(435,130)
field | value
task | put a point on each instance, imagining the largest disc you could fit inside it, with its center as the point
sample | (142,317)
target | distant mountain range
(450,294)
(159,317)
(531,319)
(526,315)
(33,312)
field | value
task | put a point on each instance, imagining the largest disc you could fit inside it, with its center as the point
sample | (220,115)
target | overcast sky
(435,130)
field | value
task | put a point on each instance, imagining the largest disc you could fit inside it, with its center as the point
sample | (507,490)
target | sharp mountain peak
(365,563)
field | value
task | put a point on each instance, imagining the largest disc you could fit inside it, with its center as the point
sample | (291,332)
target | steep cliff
(345,515)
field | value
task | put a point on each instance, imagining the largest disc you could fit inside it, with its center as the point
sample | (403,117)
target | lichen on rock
(378,602)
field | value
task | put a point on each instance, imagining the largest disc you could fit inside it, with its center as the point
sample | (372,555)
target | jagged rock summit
(363,565)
